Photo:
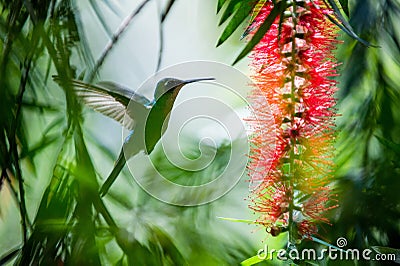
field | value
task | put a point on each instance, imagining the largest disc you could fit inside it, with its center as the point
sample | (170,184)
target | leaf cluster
(239,11)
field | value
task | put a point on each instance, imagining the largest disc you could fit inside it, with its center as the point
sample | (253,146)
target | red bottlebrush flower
(307,229)
(293,73)
(272,206)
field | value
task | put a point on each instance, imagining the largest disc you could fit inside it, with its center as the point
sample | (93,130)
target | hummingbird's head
(173,86)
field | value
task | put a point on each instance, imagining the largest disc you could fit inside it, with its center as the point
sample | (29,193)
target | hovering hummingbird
(144,118)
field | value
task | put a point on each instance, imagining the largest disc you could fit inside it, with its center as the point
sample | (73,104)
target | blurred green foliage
(50,184)
(48,175)
(368,176)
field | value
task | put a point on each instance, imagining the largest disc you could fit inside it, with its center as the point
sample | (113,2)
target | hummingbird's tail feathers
(119,164)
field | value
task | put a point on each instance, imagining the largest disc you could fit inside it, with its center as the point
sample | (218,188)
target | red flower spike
(294,73)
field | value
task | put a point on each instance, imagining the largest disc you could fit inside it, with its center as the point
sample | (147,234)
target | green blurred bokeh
(63,150)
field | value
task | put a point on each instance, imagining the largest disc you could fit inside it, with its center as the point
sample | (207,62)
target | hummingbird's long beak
(196,80)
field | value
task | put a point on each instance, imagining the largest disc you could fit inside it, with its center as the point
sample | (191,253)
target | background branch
(121,29)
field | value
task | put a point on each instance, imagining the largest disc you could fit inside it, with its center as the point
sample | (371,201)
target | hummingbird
(147,120)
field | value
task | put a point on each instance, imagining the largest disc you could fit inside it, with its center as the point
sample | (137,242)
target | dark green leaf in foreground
(345,7)
(262,30)
(240,15)
(220,4)
(232,6)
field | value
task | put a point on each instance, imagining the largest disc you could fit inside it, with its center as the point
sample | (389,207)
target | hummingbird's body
(146,119)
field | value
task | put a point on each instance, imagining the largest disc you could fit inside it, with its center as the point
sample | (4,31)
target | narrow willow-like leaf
(167,10)
(9,255)
(84,249)
(167,245)
(45,142)
(238,220)
(351,33)
(345,7)
(343,24)
(276,10)
(56,205)
(233,5)
(243,12)
(311,263)
(220,5)
(33,104)
(256,10)
(391,145)
(252,260)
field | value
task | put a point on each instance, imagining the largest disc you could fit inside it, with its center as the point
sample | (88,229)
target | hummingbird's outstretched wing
(112,99)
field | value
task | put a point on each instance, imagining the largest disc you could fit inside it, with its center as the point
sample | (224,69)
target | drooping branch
(114,39)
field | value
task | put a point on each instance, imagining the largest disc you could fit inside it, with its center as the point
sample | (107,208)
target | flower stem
(291,225)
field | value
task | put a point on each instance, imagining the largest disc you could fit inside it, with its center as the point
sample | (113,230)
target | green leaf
(311,263)
(265,26)
(343,24)
(254,14)
(390,144)
(252,260)
(345,7)
(242,12)
(37,147)
(387,251)
(220,4)
(9,255)
(167,245)
(233,5)
(238,220)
